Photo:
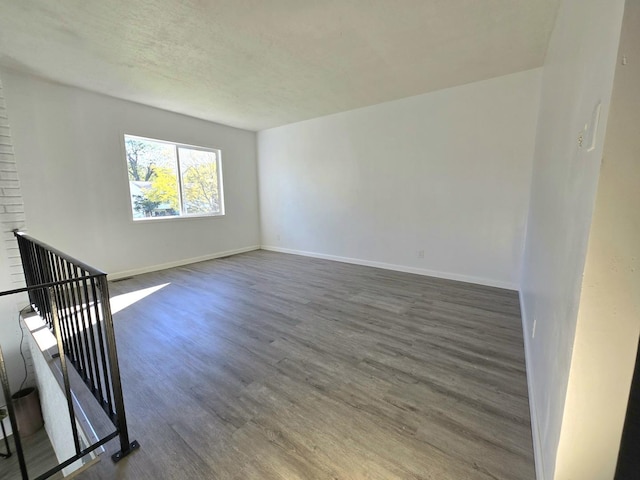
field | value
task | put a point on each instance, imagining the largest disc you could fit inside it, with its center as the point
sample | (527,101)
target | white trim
(398,268)
(535,429)
(173,218)
(180,263)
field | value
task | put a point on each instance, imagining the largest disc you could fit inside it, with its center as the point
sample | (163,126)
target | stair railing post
(126,447)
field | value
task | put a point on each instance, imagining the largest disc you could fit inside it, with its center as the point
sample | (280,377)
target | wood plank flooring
(272,366)
(38,454)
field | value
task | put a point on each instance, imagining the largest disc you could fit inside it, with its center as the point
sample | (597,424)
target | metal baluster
(103,356)
(65,317)
(70,315)
(40,262)
(25,254)
(77,319)
(70,344)
(65,372)
(93,339)
(85,327)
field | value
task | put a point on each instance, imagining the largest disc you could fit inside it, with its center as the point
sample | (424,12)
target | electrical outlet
(420,253)
(278,237)
(533,330)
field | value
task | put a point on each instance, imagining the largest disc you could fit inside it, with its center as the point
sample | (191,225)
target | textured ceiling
(262,63)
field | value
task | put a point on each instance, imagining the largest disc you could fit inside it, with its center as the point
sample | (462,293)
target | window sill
(178,217)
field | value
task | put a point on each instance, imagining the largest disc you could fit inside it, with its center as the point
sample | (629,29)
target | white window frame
(177,146)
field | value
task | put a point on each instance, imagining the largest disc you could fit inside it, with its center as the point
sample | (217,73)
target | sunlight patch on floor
(122,301)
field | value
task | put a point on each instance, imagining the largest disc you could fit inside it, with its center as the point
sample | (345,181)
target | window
(172,180)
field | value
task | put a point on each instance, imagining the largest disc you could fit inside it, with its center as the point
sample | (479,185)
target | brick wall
(11,204)
(11,217)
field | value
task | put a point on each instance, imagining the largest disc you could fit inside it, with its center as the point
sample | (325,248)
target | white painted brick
(8,232)
(17,273)
(8,167)
(11,217)
(8,175)
(8,227)
(9,184)
(14,208)
(11,192)
(15,269)
(17,278)
(11,204)
(15,262)
(11,201)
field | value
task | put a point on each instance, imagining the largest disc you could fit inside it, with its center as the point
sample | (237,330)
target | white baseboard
(535,429)
(180,263)
(398,268)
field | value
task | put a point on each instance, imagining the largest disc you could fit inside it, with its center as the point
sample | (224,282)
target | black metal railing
(73,300)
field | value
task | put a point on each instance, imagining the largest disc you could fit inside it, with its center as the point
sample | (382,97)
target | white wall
(608,327)
(578,73)
(69,151)
(446,172)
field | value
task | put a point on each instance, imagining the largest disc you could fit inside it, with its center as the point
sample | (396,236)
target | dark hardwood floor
(272,366)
